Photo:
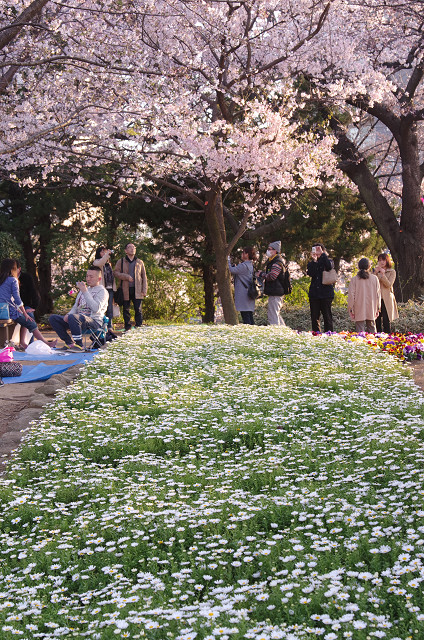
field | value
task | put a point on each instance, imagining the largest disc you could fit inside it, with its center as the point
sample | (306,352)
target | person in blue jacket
(321,296)
(9,293)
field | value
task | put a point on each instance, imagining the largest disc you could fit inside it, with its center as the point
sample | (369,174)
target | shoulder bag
(329,277)
(4,311)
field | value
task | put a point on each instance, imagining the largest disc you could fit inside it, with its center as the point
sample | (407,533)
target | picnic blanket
(39,372)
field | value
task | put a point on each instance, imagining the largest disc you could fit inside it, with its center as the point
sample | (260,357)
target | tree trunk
(215,221)
(28,251)
(404,238)
(208,284)
(45,268)
(408,255)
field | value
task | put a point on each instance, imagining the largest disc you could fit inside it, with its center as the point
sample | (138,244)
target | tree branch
(10,32)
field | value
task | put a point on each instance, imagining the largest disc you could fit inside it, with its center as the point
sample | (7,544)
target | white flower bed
(206,482)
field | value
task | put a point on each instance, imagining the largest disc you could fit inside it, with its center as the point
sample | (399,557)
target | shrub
(172,296)
(9,247)
(411,317)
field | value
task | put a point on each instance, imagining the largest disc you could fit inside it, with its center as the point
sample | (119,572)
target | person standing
(132,274)
(321,296)
(364,298)
(273,287)
(386,276)
(243,274)
(102,260)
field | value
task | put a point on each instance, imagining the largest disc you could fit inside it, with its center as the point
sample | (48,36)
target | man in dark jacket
(272,276)
(320,295)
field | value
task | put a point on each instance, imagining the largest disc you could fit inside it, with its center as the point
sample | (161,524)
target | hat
(275,245)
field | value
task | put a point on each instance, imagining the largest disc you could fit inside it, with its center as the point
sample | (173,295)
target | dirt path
(21,403)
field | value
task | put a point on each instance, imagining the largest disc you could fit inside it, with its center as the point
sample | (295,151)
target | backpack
(285,281)
(254,288)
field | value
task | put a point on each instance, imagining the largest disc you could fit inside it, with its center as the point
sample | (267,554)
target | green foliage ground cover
(234,482)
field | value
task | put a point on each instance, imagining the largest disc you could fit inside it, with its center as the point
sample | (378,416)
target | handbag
(6,354)
(118,295)
(329,277)
(10,369)
(4,311)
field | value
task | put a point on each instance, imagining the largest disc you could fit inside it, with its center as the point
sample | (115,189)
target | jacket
(242,273)
(100,262)
(364,298)
(386,285)
(140,280)
(9,293)
(273,286)
(92,302)
(315,269)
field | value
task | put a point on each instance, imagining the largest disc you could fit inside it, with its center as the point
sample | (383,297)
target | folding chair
(97,336)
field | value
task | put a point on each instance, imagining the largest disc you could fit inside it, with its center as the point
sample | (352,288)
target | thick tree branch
(354,165)
(28,14)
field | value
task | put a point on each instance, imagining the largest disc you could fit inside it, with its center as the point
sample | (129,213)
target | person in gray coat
(243,273)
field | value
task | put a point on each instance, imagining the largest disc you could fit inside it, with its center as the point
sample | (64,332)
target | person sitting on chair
(88,311)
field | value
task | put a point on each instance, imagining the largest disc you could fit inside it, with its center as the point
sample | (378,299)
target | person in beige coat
(386,276)
(132,275)
(364,298)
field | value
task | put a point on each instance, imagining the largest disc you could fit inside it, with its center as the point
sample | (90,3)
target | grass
(205,482)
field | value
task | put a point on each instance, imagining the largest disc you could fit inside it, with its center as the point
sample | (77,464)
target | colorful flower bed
(406,347)
(220,482)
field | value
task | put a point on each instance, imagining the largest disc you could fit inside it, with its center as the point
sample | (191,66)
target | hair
(386,257)
(251,252)
(93,268)
(128,243)
(99,253)
(363,266)
(6,267)
(318,244)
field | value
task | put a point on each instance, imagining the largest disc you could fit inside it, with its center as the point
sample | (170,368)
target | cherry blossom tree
(176,93)
(199,98)
(367,77)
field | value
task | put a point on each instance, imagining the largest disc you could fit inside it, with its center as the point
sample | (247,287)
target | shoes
(128,328)
(75,348)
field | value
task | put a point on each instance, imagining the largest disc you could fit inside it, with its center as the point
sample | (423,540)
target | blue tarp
(41,371)
(56,356)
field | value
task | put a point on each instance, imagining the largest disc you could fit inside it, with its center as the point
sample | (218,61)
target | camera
(111,251)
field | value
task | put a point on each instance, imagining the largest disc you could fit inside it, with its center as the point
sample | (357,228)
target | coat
(242,273)
(315,269)
(386,285)
(364,298)
(140,280)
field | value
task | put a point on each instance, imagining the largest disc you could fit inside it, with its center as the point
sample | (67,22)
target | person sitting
(88,311)
(9,293)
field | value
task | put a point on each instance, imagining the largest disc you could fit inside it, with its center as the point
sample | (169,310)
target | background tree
(9,248)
